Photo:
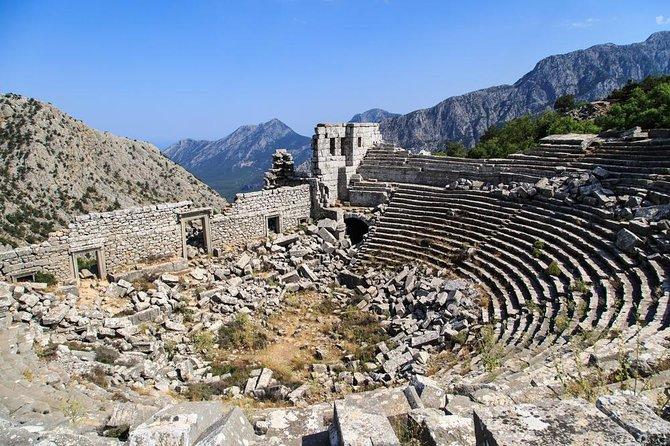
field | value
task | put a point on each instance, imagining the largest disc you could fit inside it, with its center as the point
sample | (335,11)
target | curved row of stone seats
(426,229)
(441,225)
(490,265)
(640,275)
(492,241)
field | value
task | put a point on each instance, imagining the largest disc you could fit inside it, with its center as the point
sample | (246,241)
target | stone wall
(134,236)
(125,237)
(246,219)
(131,236)
(337,151)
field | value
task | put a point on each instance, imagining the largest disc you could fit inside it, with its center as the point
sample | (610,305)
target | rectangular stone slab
(550,423)
(178,425)
(355,427)
(637,417)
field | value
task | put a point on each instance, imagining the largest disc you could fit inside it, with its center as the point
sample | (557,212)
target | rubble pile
(150,341)
(426,312)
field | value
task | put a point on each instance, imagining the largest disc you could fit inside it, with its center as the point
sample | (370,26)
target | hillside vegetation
(645,104)
(53,167)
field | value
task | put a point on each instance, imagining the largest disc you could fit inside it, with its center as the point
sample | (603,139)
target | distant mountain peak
(373,115)
(237,162)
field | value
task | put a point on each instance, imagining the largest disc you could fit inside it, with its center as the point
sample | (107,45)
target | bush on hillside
(452,148)
(565,103)
(645,104)
(524,133)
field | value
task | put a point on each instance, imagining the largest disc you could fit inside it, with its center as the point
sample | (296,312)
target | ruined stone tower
(337,151)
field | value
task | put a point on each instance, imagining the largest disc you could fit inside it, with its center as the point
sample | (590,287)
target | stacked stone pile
(426,313)
(282,172)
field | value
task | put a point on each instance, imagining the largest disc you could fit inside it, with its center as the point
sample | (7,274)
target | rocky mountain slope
(373,115)
(237,162)
(53,166)
(587,74)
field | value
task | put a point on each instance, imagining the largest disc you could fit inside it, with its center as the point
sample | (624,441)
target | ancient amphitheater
(432,301)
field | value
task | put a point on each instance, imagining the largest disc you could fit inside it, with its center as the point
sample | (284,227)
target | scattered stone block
(626,240)
(354,427)
(430,392)
(444,430)
(574,421)
(232,429)
(634,414)
(177,425)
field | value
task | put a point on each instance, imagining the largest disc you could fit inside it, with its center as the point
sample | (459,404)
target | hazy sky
(161,71)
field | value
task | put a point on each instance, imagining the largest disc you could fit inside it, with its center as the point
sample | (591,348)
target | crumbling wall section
(126,237)
(130,236)
(337,151)
(51,256)
(246,219)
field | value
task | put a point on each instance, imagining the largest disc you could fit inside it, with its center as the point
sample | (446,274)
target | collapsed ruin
(522,300)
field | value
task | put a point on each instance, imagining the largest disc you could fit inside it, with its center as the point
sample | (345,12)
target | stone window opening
(196,232)
(360,142)
(25,277)
(332,147)
(195,238)
(356,229)
(89,264)
(273,225)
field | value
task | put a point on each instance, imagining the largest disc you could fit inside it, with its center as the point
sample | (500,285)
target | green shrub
(452,148)
(491,351)
(204,341)
(645,104)
(580,286)
(47,352)
(565,103)
(363,330)
(524,133)
(560,323)
(106,355)
(98,377)
(45,277)
(242,333)
(553,269)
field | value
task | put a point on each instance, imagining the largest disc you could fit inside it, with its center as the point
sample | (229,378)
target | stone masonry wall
(246,219)
(132,236)
(337,150)
(402,167)
(126,237)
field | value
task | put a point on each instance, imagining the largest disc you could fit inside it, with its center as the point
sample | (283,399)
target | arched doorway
(356,229)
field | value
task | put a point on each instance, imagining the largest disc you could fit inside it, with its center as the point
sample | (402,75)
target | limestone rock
(635,415)
(354,427)
(573,421)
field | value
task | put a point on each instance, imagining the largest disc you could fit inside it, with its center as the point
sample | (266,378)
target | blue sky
(161,71)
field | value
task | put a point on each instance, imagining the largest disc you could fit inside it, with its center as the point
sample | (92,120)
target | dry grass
(292,337)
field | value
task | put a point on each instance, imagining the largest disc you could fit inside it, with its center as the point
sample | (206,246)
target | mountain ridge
(43,149)
(373,115)
(589,74)
(238,161)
